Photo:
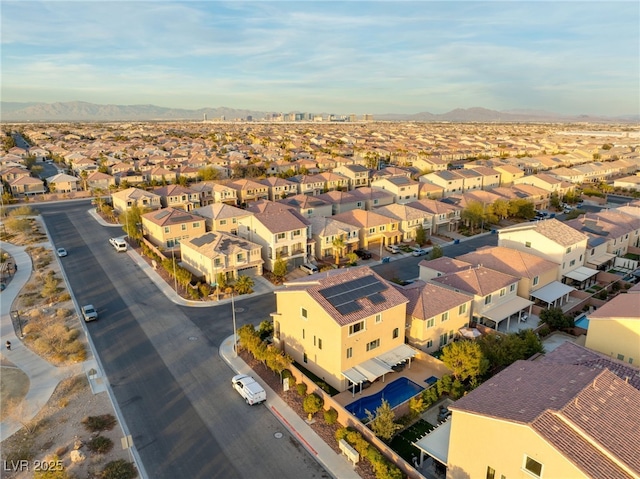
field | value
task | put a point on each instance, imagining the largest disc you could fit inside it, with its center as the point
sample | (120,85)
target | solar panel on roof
(348,308)
(376,298)
(344,296)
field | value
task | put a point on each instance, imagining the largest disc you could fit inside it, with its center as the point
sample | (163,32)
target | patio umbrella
(471,333)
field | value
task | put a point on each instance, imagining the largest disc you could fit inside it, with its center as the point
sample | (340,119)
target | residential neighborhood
(516,358)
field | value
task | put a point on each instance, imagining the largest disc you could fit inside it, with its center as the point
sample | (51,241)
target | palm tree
(338,247)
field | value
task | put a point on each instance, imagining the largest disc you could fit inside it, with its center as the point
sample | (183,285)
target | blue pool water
(582,322)
(394,393)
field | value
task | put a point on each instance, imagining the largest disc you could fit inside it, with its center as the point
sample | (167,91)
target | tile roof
(445,265)
(219,211)
(427,300)
(391,296)
(276,217)
(479,280)
(623,306)
(510,261)
(170,216)
(215,243)
(363,218)
(552,229)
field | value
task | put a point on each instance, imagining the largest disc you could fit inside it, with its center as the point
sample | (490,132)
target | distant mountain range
(83,111)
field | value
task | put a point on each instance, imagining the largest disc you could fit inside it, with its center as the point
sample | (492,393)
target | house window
(223,222)
(298,232)
(430,343)
(630,360)
(184,227)
(234,221)
(536,280)
(443,339)
(280,236)
(196,224)
(303,313)
(373,344)
(217,263)
(430,322)
(349,352)
(532,466)
(378,318)
(620,357)
(239,258)
(569,250)
(512,288)
(527,244)
(372,230)
(445,316)
(491,473)
(503,291)
(356,327)
(396,333)
(462,309)
(572,262)
(375,202)
(304,358)
(319,343)
(303,333)
(487,299)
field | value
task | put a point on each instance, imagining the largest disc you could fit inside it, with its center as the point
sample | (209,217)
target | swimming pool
(394,393)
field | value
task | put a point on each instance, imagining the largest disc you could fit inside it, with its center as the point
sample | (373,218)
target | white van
(249,389)
(118,243)
(309,268)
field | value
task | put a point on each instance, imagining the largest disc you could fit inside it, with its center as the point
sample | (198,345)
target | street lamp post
(233,315)
(16,314)
(175,278)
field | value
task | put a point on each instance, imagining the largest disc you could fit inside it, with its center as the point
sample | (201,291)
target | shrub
(330,416)
(312,404)
(119,469)
(301,388)
(105,422)
(100,444)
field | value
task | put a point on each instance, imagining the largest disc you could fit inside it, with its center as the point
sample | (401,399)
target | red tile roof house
(542,420)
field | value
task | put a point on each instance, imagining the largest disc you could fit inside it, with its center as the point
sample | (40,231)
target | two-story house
(435,314)
(554,241)
(342,201)
(403,189)
(324,230)
(376,230)
(279,188)
(450,181)
(281,231)
(218,253)
(125,199)
(62,183)
(340,325)
(358,175)
(249,190)
(495,294)
(410,219)
(168,227)
(446,217)
(221,217)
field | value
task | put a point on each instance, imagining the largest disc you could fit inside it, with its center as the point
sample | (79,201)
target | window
(304,358)
(581,258)
(430,343)
(487,299)
(356,327)
(234,221)
(462,309)
(239,257)
(303,313)
(349,352)
(620,357)
(536,280)
(372,230)
(378,318)
(503,291)
(167,229)
(297,233)
(303,333)
(217,263)
(443,339)
(196,224)
(532,466)
(491,472)
(450,335)
(630,360)
(373,344)
(223,222)
(280,236)
(572,262)
(396,333)
(569,250)
(445,316)
(430,322)
(512,288)
(319,343)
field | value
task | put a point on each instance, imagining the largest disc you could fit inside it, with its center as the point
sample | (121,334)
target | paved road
(163,365)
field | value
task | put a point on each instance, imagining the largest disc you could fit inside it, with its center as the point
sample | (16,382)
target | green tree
(501,209)
(383,424)
(465,359)
(473,215)
(312,404)
(555,200)
(421,235)
(131,220)
(555,318)
(436,251)
(280,268)
(244,285)
(338,247)
(208,173)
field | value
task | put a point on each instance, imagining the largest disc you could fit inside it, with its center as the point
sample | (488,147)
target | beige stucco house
(125,199)
(168,227)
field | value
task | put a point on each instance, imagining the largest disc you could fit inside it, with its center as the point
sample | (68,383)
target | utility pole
(233,315)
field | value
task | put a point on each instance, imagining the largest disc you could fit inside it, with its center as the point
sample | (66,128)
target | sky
(568,57)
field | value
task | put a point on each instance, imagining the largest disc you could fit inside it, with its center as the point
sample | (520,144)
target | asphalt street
(162,362)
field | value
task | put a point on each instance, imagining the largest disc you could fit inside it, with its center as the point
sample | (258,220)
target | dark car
(362,254)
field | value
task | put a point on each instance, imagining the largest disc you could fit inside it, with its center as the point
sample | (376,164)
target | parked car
(362,254)
(419,252)
(309,268)
(393,248)
(61,252)
(118,243)
(249,389)
(89,313)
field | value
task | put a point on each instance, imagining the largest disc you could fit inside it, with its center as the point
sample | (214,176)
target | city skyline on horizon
(342,57)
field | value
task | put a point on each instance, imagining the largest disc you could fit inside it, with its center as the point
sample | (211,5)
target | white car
(61,252)
(249,389)
(419,252)
(89,313)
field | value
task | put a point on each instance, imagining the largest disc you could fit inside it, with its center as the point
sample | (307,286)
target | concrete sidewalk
(43,377)
(336,464)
